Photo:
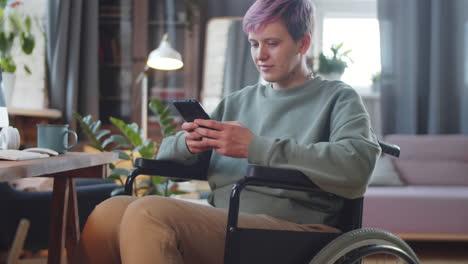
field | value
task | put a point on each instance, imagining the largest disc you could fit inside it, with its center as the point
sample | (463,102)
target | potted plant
(129,144)
(13,28)
(332,67)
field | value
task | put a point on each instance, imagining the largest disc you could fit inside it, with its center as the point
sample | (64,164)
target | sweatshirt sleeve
(342,165)
(174,148)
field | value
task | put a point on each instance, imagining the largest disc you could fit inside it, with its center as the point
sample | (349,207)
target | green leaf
(95,127)
(120,171)
(158,180)
(129,131)
(148,192)
(114,177)
(27,43)
(176,192)
(147,151)
(85,124)
(118,191)
(26,68)
(8,65)
(88,119)
(27,23)
(102,133)
(144,182)
(163,113)
(165,122)
(122,154)
(169,130)
(145,188)
(134,127)
(119,140)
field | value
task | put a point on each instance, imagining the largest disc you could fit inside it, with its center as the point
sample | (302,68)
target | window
(361,36)
(353,22)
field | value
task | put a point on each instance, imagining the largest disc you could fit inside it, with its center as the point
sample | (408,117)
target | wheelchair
(244,245)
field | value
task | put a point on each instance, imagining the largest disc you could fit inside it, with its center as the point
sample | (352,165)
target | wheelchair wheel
(368,243)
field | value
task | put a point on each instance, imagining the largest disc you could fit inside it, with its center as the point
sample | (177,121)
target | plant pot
(8,86)
(332,76)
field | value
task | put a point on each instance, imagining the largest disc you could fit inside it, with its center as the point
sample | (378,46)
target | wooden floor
(441,252)
(428,253)
(434,253)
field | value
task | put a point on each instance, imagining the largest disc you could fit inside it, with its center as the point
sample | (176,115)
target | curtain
(2,100)
(424,52)
(239,68)
(72,57)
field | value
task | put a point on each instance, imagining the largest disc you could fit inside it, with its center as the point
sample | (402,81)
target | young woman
(295,121)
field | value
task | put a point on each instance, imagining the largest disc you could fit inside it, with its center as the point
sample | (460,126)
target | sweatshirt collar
(310,84)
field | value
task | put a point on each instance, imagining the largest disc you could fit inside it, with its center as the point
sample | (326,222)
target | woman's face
(276,55)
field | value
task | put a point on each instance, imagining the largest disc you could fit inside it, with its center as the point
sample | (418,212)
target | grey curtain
(72,57)
(239,68)
(424,84)
(2,100)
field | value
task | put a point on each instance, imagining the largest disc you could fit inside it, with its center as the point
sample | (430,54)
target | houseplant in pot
(129,144)
(332,67)
(15,29)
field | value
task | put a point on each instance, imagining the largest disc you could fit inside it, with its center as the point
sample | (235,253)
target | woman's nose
(262,53)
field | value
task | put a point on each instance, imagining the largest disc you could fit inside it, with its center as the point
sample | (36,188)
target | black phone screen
(190,110)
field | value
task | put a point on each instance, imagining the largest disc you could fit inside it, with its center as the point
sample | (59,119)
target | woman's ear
(304,43)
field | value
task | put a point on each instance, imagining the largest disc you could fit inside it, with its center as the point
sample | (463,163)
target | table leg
(73,226)
(58,219)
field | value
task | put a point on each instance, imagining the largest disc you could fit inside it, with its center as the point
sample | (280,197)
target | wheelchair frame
(308,243)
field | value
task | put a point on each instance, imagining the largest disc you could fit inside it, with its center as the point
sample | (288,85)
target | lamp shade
(165,57)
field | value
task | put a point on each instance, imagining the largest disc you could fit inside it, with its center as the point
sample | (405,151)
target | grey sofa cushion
(384,173)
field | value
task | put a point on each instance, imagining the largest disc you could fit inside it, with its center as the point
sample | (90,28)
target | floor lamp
(163,58)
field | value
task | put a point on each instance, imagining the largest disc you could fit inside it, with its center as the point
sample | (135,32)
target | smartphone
(190,110)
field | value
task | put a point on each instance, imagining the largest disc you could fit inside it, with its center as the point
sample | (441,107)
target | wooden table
(64,224)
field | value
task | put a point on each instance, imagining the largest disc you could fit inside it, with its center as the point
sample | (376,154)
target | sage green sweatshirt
(320,128)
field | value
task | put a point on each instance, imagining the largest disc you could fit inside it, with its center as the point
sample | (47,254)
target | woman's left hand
(230,139)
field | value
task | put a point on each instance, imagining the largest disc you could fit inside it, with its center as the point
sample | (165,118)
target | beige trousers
(155,229)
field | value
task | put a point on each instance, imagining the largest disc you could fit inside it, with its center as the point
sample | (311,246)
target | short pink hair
(298,15)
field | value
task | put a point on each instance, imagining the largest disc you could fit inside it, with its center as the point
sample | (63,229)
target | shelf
(118,22)
(163,23)
(128,32)
(47,113)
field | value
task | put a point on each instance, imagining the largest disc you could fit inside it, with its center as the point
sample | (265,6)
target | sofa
(423,195)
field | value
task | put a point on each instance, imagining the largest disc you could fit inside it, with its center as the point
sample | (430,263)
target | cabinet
(129,31)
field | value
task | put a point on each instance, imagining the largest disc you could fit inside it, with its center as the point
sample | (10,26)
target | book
(13,154)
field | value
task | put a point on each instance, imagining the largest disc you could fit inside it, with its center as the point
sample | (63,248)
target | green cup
(55,137)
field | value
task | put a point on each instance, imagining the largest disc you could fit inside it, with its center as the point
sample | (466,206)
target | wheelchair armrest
(278,178)
(390,149)
(169,168)
(166,168)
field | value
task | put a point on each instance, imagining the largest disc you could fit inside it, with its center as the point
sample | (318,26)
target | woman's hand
(230,139)
(192,138)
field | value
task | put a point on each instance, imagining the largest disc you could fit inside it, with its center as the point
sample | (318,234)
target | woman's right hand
(192,138)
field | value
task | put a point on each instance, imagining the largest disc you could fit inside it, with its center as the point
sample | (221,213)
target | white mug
(9,138)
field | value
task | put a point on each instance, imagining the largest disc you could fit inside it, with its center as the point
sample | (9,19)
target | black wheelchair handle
(390,149)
